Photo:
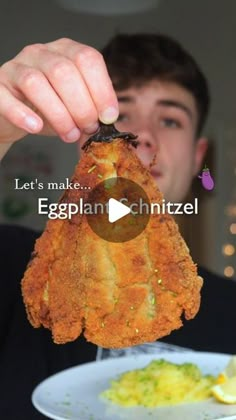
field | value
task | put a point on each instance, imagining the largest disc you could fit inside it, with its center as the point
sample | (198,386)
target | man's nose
(148,144)
(148,140)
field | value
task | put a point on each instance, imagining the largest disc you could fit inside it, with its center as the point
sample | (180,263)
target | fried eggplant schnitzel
(116,294)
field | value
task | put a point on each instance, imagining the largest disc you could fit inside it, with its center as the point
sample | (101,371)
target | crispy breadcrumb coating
(117,294)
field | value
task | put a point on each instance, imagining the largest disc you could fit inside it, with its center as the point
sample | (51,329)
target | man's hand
(59,88)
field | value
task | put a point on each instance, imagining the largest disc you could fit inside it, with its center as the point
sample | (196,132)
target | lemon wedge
(229,371)
(226,391)
(225,388)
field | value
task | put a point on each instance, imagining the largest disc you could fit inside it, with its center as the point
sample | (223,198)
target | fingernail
(31,124)
(73,135)
(91,128)
(110,115)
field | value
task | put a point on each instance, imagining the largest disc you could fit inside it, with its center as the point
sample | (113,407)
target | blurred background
(204,27)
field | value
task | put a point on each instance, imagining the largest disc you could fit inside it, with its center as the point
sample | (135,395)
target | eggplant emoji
(207,179)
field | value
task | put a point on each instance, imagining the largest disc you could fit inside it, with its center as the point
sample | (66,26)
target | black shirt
(28,355)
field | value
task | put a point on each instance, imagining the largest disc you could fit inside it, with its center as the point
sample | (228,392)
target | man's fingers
(71,89)
(37,89)
(17,113)
(94,72)
(92,68)
(65,81)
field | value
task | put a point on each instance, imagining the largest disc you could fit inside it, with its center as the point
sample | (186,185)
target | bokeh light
(228,250)
(229,271)
(232,228)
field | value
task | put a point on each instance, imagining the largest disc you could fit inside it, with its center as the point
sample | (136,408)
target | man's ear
(200,151)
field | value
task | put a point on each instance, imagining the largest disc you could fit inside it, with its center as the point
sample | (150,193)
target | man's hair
(133,60)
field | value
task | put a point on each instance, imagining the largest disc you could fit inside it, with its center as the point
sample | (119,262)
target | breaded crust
(117,294)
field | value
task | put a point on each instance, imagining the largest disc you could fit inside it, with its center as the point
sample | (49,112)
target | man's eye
(170,123)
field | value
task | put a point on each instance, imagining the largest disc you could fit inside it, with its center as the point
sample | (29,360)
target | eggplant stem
(107,133)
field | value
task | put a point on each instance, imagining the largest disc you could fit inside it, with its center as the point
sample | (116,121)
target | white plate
(74,393)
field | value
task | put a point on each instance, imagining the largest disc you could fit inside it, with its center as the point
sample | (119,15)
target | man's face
(164,116)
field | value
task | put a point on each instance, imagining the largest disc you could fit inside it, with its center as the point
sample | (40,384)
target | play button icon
(119,209)
(116,210)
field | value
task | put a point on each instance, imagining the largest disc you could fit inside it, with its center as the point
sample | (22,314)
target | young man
(63,88)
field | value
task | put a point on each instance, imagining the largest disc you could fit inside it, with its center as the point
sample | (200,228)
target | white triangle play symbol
(116,210)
